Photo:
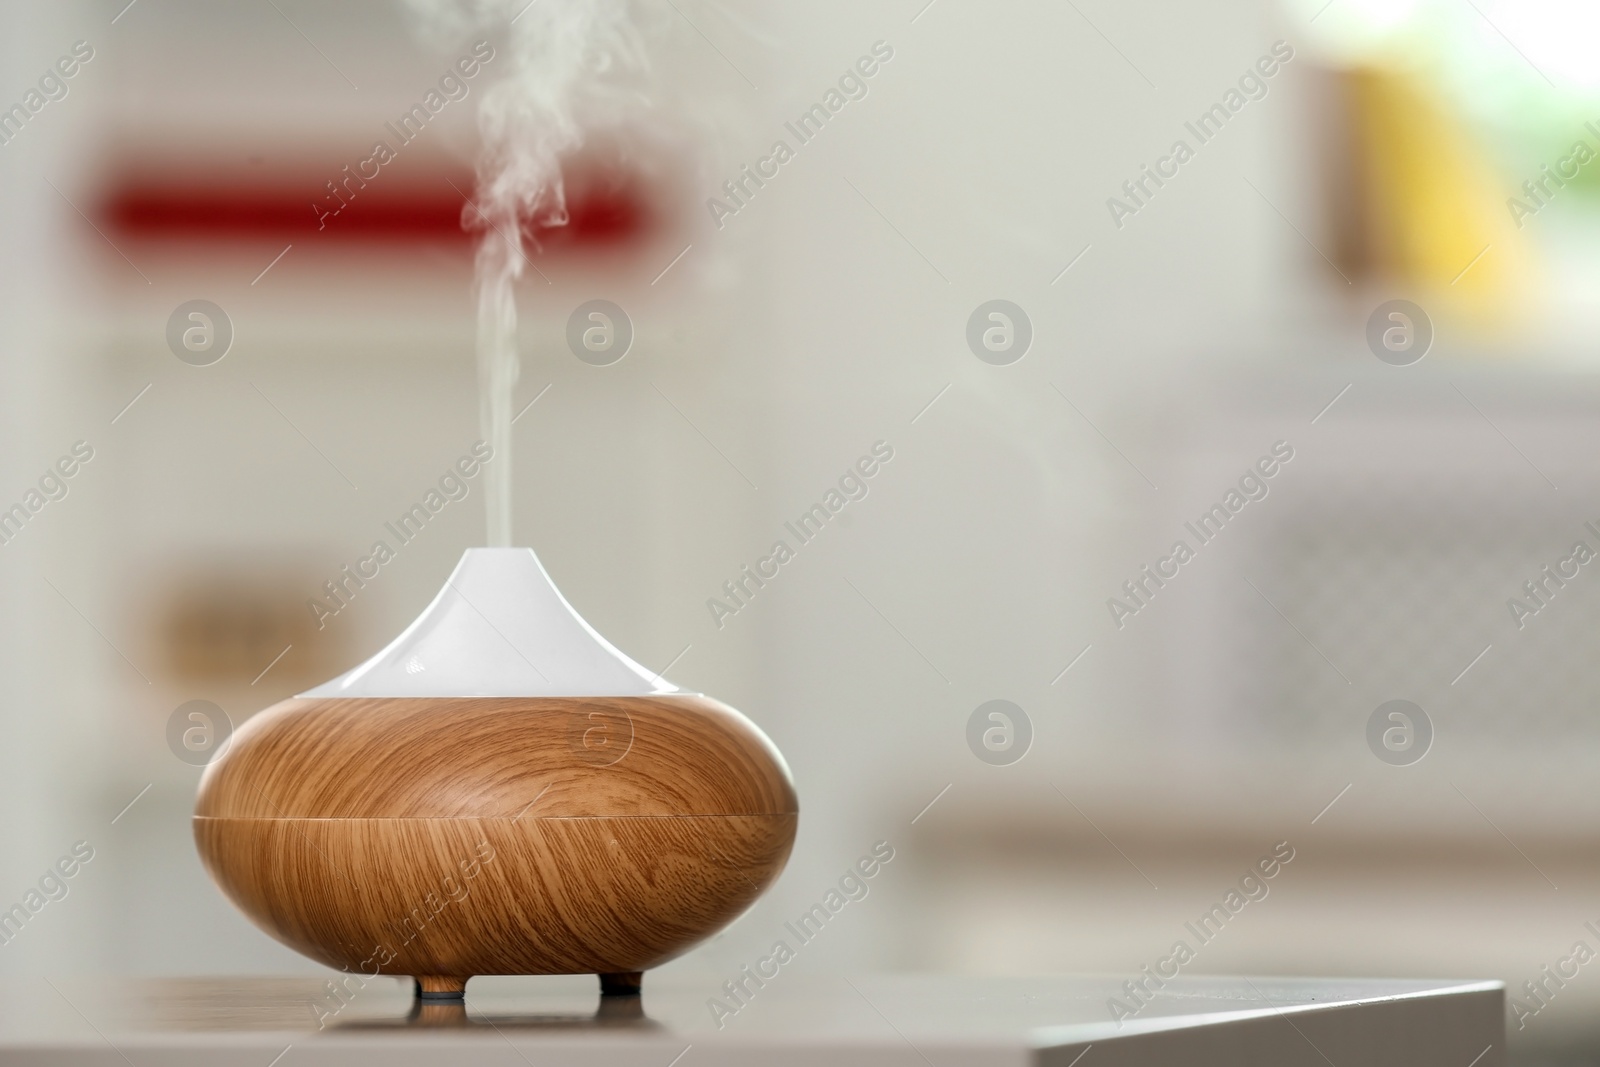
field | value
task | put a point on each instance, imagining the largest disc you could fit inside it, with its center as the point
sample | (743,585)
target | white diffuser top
(498,628)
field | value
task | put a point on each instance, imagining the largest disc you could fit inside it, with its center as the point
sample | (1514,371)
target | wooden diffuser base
(446,837)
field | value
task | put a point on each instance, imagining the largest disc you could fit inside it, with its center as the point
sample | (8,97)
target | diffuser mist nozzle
(498,628)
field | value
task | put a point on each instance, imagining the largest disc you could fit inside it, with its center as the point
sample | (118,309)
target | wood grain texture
(445,838)
(380,757)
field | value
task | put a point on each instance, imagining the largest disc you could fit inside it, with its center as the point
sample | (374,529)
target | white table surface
(920,1020)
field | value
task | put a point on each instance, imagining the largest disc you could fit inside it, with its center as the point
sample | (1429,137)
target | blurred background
(1440,153)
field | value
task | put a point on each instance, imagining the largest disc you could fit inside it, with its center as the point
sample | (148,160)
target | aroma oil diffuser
(499,791)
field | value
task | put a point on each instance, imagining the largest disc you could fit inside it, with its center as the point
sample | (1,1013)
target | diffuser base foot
(626,984)
(435,987)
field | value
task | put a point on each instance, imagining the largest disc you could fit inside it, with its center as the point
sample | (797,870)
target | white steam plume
(565,69)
